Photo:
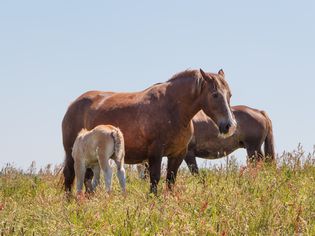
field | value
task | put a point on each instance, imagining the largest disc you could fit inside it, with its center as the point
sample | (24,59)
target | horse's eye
(215,95)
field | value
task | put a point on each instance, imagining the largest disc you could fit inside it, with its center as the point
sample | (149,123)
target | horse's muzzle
(227,128)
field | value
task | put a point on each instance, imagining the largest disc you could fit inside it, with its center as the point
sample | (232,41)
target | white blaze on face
(232,129)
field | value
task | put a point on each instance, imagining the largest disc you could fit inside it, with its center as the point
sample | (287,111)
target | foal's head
(216,96)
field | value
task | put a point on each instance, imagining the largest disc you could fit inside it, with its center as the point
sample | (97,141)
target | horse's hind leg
(96,178)
(121,174)
(80,169)
(88,180)
(107,171)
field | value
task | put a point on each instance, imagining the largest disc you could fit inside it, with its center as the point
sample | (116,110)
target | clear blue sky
(52,51)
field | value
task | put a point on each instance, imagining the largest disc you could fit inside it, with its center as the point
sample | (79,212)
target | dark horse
(155,122)
(253,129)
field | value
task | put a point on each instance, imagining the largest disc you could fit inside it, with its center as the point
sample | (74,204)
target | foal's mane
(82,132)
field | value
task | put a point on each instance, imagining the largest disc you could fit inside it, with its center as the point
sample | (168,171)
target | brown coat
(156,122)
(253,129)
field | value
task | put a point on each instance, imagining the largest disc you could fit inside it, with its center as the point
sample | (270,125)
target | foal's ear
(205,76)
(221,72)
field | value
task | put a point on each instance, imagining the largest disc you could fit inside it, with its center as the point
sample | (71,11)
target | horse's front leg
(191,162)
(173,165)
(155,172)
(254,154)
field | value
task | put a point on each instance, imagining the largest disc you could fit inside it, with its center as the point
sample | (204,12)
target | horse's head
(215,102)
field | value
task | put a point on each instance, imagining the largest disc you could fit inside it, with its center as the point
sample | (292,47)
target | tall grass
(229,200)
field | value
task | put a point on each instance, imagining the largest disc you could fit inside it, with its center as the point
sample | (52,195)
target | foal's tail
(119,144)
(269,146)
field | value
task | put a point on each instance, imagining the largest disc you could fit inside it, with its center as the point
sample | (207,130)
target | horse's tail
(68,166)
(269,147)
(119,144)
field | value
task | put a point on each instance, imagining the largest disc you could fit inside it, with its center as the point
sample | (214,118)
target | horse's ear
(205,76)
(221,72)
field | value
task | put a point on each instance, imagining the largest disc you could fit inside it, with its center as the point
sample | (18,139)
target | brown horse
(155,122)
(253,129)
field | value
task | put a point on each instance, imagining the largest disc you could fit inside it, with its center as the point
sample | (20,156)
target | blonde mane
(82,132)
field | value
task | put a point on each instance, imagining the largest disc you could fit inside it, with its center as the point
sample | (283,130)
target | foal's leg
(107,171)
(121,173)
(96,178)
(79,169)
(88,180)
(172,168)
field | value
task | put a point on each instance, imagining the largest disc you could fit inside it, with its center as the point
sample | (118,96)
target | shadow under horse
(155,122)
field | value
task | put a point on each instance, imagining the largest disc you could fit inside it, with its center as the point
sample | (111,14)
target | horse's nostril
(224,127)
(228,126)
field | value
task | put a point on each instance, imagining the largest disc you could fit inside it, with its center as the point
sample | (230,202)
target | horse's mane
(186,74)
(195,74)
(223,83)
(196,78)
(182,75)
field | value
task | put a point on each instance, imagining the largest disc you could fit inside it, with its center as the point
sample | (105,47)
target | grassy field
(227,200)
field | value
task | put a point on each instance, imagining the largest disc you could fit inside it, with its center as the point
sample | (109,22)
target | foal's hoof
(124,192)
(109,192)
(80,197)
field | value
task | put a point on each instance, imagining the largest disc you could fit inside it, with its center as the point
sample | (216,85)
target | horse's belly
(214,152)
(135,156)
(208,154)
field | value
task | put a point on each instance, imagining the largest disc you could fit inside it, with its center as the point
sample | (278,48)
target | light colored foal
(94,149)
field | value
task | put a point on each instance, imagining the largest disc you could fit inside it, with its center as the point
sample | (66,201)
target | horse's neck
(182,96)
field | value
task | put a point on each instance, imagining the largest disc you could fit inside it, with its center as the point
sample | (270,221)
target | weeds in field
(226,200)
